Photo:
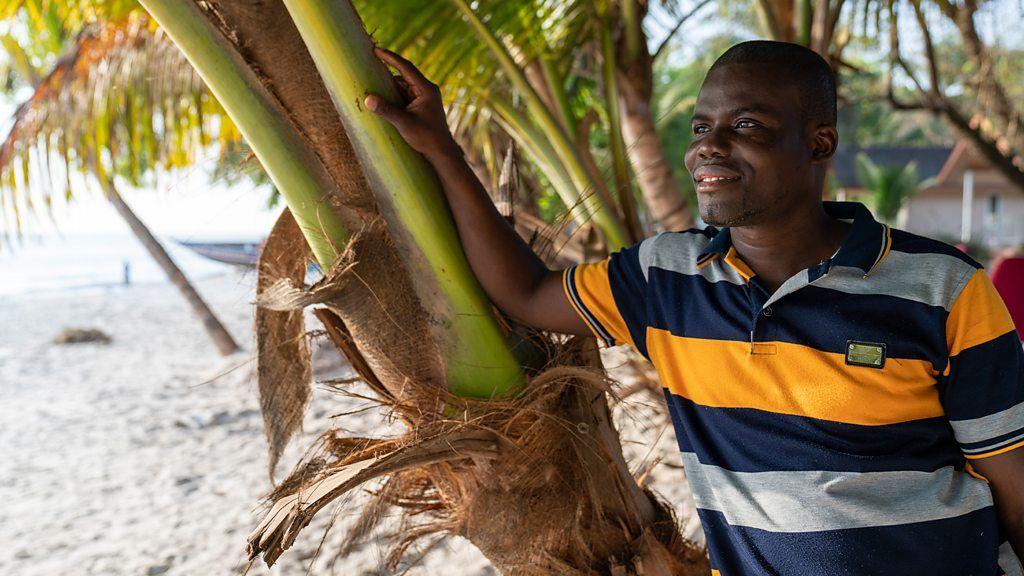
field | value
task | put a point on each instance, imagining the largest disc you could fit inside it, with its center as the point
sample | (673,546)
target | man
(848,398)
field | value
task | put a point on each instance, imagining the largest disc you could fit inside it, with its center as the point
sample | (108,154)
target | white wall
(940,217)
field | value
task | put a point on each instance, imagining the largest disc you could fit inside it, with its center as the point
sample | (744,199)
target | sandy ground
(146,456)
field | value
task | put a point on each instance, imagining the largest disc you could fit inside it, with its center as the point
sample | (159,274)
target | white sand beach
(146,455)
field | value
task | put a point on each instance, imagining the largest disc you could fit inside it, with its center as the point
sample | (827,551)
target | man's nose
(714,143)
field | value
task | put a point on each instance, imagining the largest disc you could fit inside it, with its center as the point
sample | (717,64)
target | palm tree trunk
(662,193)
(537,481)
(666,203)
(221,338)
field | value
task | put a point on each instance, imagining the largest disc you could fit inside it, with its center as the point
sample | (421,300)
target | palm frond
(122,101)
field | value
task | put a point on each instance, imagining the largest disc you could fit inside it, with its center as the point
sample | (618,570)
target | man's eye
(745,124)
(700,129)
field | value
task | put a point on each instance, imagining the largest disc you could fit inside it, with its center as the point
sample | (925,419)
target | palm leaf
(123,100)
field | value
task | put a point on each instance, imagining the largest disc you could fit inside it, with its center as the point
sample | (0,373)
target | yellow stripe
(794,380)
(977,316)
(732,258)
(885,251)
(595,292)
(716,573)
(1002,450)
(970,470)
(707,261)
(572,302)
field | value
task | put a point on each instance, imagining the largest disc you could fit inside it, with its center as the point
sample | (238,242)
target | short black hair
(796,63)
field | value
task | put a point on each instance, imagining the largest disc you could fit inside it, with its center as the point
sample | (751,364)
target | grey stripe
(820,500)
(995,446)
(1009,562)
(677,252)
(795,282)
(932,279)
(988,427)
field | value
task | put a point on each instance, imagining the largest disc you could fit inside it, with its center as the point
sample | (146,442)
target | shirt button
(767,312)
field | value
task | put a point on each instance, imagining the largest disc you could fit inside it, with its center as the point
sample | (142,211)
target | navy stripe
(820,318)
(690,305)
(825,319)
(984,379)
(587,315)
(958,546)
(750,440)
(629,289)
(903,241)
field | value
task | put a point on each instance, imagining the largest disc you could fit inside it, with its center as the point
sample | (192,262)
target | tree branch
(679,24)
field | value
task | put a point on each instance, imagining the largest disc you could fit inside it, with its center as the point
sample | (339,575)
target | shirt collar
(866,245)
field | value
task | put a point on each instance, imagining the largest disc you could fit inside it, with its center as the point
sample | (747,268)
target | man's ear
(824,141)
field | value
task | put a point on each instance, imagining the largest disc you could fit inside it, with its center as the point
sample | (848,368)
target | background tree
(98,113)
(888,186)
(984,112)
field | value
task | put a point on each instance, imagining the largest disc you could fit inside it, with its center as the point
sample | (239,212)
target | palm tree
(509,442)
(99,120)
(889,186)
(548,56)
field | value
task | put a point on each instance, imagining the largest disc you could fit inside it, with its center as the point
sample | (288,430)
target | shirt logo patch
(870,354)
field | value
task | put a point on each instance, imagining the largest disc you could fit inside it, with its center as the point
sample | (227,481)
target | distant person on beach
(848,398)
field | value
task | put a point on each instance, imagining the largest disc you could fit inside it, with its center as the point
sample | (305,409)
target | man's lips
(709,178)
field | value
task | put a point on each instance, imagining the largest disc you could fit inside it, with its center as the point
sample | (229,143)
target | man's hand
(514,278)
(420,120)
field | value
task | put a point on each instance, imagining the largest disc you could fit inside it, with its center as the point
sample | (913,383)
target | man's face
(750,158)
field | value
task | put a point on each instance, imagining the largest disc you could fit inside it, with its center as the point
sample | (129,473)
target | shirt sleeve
(983,394)
(611,297)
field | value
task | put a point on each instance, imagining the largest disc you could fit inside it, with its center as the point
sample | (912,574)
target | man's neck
(777,250)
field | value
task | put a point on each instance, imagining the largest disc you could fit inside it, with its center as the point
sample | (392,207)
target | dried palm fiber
(550,493)
(284,372)
(538,464)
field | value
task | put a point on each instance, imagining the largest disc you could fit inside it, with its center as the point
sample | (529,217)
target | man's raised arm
(516,280)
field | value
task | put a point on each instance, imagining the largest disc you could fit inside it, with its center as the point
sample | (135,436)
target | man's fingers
(387,110)
(407,69)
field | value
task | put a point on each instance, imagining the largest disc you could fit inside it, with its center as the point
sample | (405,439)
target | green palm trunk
(478,361)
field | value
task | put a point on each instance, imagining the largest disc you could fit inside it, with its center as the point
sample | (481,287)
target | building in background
(964,198)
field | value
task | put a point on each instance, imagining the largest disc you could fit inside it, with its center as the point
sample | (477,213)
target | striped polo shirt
(826,428)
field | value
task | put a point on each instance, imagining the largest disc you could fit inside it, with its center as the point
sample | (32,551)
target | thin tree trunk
(662,193)
(221,338)
(666,204)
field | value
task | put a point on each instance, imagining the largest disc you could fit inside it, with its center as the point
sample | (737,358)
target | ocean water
(44,265)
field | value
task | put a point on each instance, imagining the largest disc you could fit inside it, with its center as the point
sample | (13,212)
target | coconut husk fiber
(543,468)
(284,372)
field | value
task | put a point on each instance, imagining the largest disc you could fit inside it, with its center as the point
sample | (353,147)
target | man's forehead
(745,88)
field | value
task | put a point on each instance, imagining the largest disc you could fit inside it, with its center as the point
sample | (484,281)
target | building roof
(929,161)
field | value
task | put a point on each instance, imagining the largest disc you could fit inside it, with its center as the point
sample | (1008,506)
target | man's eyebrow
(740,111)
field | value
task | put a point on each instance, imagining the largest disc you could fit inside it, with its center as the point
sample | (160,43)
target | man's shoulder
(675,250)
(922,269)
(921,248)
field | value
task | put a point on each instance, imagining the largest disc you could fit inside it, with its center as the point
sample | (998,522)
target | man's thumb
(381,107)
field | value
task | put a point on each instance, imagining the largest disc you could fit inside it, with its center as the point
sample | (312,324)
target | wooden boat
(236,253)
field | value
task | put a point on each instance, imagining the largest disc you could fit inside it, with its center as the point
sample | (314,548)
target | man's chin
(721,216)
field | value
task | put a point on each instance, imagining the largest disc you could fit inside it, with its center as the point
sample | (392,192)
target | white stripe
(809,501)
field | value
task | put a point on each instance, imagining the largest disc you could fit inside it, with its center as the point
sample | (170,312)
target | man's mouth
(709,180)
(713,177)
